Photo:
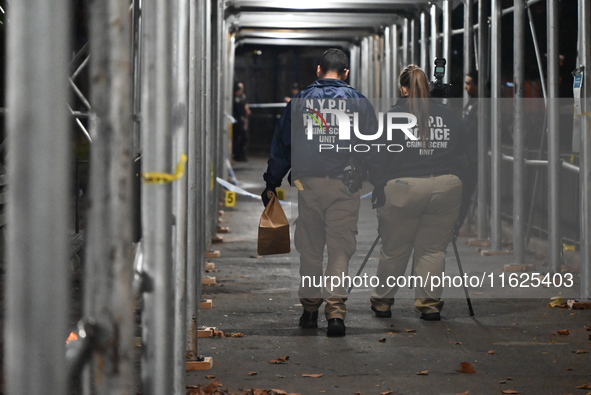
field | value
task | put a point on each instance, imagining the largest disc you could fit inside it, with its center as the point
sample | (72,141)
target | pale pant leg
(398,221)
(434,233)
(341,218)
(309,240)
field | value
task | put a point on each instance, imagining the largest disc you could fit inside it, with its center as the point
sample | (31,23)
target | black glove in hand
(378,197)
(265,196)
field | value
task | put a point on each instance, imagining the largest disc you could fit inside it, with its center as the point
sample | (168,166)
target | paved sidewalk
(512,341)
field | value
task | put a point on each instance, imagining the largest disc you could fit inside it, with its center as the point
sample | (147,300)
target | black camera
(438,88)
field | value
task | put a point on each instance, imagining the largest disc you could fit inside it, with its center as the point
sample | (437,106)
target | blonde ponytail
(413,78)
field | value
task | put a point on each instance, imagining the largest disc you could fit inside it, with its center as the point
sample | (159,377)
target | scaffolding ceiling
(278,22)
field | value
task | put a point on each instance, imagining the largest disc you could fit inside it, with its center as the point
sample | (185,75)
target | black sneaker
(431,316)
(336,328)
(382,313)
(309,319)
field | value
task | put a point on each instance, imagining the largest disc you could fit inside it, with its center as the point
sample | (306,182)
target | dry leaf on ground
(411,330)
(386,393)
(466,368)
(491,352)
(313,375)
(463,393)
(382,340)
(423,373)
(280,360)
(252,373)
(563,332)
(584,387)
(238,334)
(211,387)
(210,376)
(581,352)
(588,328)
(510,392)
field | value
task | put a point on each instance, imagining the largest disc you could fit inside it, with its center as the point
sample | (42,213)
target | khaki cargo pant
(419,214)
(327,216)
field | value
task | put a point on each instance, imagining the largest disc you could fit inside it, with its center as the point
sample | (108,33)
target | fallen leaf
(584,387)
(581,352)
(563,332)
(458,343)
(588,328)
(210,376)
(509,378)
(217,333)
(466,368)
(210,388)
(411,330)
(391,333)
(313,375)
(234,334)
(569,369)
(280,360)
(252,373)
(557,301)
(502,382)
(491,352)
(195,391)
(279,392)
(463,393)
(386,393)
(382,340)
(423,373)
(509,392)
(357,393)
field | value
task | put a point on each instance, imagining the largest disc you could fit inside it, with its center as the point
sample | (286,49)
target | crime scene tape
(165,178)
(233,188)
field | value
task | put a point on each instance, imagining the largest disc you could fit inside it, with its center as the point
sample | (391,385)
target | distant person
(417,194)
(295,88)
(240,112)
(470,121)
(328,206)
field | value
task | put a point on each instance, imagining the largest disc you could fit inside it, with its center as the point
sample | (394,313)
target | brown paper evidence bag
(273,229)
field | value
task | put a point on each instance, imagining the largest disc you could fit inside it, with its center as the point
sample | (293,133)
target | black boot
(336,328)
(309,319)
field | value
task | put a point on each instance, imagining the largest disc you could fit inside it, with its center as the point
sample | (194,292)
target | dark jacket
(441,154)
(308,161)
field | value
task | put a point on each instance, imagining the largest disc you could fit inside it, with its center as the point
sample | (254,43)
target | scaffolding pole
(483,119)
(395,63)
(495,56)
(434,35)
(446,46)
(38,165)
(518,133)
(405,43)
(158,296)
(554,231)
(468,42)
(387,64)
(108,267)
(195,172)
(585,173)
(180,76)
(424,42)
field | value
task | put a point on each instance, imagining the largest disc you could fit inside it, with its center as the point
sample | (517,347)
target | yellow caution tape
(165,178)
(298,185)
(585,114)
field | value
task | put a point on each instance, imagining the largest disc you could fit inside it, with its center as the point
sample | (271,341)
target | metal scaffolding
(170,96)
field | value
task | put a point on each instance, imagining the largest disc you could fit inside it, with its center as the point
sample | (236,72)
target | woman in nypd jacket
(417,193)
